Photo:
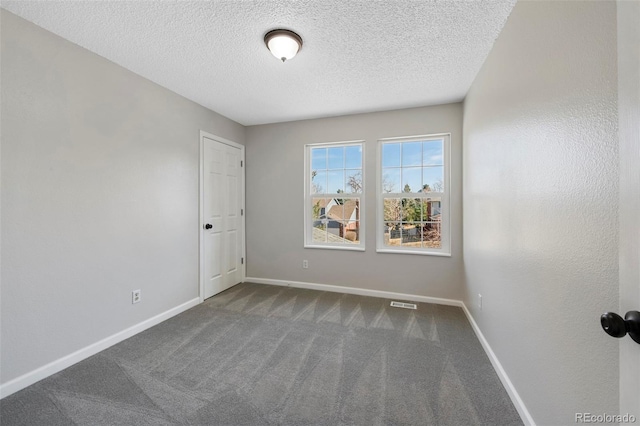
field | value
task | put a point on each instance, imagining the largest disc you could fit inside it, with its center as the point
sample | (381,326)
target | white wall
(629,119)
(275,167)
(99,197)
(541,205)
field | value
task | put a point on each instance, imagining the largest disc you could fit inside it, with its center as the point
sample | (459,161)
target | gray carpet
(266,355)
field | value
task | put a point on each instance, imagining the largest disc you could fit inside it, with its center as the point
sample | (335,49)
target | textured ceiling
(358,56)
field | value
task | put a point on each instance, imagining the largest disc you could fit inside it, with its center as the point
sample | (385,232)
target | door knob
(208,226)
(614,325)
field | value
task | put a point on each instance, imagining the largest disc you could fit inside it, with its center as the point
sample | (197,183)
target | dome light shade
(283,44)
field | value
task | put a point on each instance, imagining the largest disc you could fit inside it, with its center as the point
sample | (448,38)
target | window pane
(435,210)
(335,181)
(432,153)
(392,209)
(411,210)
(353,183)
(318,181)
(434,178)
(353,157)
(319,235)
(319,208)
(411,235)
(334,228)
(336,158)
(318,158)
(351,210)
(430,209)
(392,234)
(411,154)
(422,210)
(411,179)
(335,210)
(391,180)
(391,155)
(431,235)
(352,231)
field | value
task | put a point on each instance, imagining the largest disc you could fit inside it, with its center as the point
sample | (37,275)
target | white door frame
(243,266)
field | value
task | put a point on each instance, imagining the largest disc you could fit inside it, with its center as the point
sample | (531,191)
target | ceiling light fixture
(283,44)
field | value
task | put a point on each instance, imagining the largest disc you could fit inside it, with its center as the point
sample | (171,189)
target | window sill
(334,247)
(422,253)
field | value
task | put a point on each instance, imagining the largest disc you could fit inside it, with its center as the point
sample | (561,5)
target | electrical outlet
(305,264)
(480,301)
(136,296)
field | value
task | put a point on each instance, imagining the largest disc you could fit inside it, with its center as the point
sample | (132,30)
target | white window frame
(445,247)
(308,211)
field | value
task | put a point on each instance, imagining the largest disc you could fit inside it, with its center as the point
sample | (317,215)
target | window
(334,186)
(413,195)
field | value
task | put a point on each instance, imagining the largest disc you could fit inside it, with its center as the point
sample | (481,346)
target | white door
(629,134)
(222,216)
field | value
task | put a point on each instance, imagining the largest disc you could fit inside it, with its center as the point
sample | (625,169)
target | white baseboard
(45,371)
(355,290)
(506,382)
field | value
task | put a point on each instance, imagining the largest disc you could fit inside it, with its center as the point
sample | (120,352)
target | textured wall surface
(629,131)
(275,172)
(99,196)
(358,56)
(541,205)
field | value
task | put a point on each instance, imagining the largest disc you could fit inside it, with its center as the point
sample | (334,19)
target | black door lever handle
(208,226)
(614,325)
